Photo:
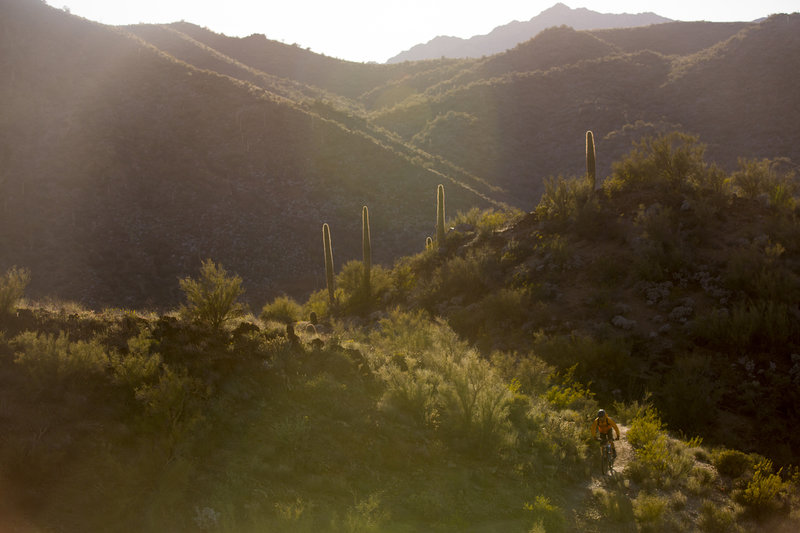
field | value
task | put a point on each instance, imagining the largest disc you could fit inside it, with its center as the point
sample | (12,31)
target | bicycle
(606,457)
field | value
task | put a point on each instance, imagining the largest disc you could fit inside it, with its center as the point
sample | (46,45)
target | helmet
(601,413)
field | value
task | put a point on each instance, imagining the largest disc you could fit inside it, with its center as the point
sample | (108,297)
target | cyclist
(604,424)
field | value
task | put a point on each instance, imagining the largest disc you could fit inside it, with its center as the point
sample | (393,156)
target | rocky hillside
(131,154)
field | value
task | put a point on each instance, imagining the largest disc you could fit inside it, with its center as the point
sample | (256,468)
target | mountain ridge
(509,35)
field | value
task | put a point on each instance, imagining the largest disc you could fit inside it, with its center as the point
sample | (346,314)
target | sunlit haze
(366,30)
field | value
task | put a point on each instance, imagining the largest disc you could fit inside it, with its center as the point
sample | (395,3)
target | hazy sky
(375,30)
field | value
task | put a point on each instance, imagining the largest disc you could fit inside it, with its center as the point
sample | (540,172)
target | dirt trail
(588,517)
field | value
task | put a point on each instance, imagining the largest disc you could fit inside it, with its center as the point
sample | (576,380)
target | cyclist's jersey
(604,426)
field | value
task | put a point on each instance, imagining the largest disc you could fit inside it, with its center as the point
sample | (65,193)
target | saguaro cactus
(326,245)
(440,215)
(590,161)
(366,245)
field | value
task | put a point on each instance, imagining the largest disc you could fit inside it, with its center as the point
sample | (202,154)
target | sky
(375,30)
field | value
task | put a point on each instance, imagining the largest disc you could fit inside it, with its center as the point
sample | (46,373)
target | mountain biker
(604,424)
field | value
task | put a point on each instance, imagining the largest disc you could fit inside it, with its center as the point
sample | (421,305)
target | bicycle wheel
(604,461)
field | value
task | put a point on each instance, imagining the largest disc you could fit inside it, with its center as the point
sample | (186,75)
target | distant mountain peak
(509,35)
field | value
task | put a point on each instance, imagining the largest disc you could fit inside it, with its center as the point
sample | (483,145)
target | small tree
(212,300)
(12,287)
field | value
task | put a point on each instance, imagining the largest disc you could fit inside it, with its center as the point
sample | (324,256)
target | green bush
(568,393)
(615,506)
(138,367)
(466,278)
(353,295)
(172,407)
(755,177)
(766,493)
(410,394)
(661,463)
(669,163)
(563,198)
(645,428)
(53,361)
(550,516)
(282,309)
(601,361)
(12,288)
(716,518)
(212,299)
(732,463)
(651,512)
(475,403)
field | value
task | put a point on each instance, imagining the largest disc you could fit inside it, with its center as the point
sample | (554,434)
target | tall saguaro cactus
(366,245)
(590,161)
(440,215)
(326,245)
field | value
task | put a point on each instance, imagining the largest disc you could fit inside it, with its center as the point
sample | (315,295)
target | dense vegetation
(452,392)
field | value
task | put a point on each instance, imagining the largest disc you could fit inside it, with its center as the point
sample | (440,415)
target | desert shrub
(731,463)
(212,299)
(563,198)
(530,372)
(627,411)
(650,512)
(172,406)
(645,428)
(475,403)
(755,178)
(715,518)
(282,309)
(667,163)
(766,493)
(760,272)
(700,481)
(410,394)
(431,374)
(550,516)
(318,303)
(690,392)
(354,296)
(138,366)
(402,279)
(568,393)
(365,516)
(53,361)
(661,462)
(466,278)
(663,248)
(748,326)
(615,506)
(601,361)
(485,221)
(494,321)
(12,288)
(677,501)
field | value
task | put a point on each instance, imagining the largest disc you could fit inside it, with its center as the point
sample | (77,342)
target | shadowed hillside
(123,166)
(130,154)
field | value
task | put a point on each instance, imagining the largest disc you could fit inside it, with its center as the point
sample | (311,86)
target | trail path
(588,517)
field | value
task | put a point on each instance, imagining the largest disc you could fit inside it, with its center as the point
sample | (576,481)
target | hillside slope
(130,154)
(522,126)
(124,167)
